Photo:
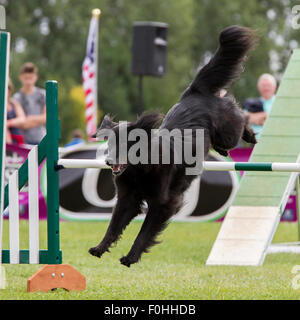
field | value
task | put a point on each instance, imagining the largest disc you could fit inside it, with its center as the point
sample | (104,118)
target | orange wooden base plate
(53,276)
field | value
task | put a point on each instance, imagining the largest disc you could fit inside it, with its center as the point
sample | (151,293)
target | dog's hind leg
(155,222)
(126,209)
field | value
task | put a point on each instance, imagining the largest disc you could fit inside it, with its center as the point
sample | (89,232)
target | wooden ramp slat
(243,235)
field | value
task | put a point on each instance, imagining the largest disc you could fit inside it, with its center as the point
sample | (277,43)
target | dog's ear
(148,121)
(107,123)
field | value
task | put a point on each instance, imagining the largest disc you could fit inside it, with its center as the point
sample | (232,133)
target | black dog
(200,107)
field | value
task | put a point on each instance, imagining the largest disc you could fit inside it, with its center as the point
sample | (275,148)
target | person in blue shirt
(77,138)
(259,108)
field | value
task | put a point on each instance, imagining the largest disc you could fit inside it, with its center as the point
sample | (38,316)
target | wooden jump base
(56,276)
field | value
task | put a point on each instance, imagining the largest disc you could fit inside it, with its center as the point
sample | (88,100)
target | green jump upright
(53,136)
(4,65)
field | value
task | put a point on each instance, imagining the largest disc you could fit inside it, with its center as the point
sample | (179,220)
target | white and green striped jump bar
(207,165)
(251,166)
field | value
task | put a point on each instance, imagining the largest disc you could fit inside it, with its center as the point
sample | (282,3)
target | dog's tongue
(116,168)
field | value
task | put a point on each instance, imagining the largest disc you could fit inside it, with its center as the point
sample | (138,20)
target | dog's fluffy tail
(226,65)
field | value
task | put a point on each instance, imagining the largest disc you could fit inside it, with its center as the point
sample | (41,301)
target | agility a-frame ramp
(254,215)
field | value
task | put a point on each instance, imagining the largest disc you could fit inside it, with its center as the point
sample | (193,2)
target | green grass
(174,269)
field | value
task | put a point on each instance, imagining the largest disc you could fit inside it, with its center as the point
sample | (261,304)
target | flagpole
(96,14)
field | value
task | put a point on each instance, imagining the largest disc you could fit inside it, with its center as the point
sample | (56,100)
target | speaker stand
(141,102)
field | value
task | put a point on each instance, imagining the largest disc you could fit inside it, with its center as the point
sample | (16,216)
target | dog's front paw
(127,261)
(221,152)
(96,251)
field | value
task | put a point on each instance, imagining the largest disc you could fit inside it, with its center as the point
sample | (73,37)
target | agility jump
(53,274)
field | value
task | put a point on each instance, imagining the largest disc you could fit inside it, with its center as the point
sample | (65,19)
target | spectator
(15,118)
(259,108)
(77,138)
(32,99)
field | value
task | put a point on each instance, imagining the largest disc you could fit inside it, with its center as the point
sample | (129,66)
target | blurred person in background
(33,102)
(15,118)
(259,108)
(76,139)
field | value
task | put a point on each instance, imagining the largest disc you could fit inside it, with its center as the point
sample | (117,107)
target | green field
(174,269)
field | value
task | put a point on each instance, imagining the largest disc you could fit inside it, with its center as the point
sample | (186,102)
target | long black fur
(200,107)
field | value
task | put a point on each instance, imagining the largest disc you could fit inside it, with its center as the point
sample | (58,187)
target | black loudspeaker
(149,48)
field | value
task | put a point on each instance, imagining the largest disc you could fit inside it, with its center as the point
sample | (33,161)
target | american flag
(89,76)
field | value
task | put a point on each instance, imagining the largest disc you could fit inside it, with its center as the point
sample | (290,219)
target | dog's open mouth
(117,168)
